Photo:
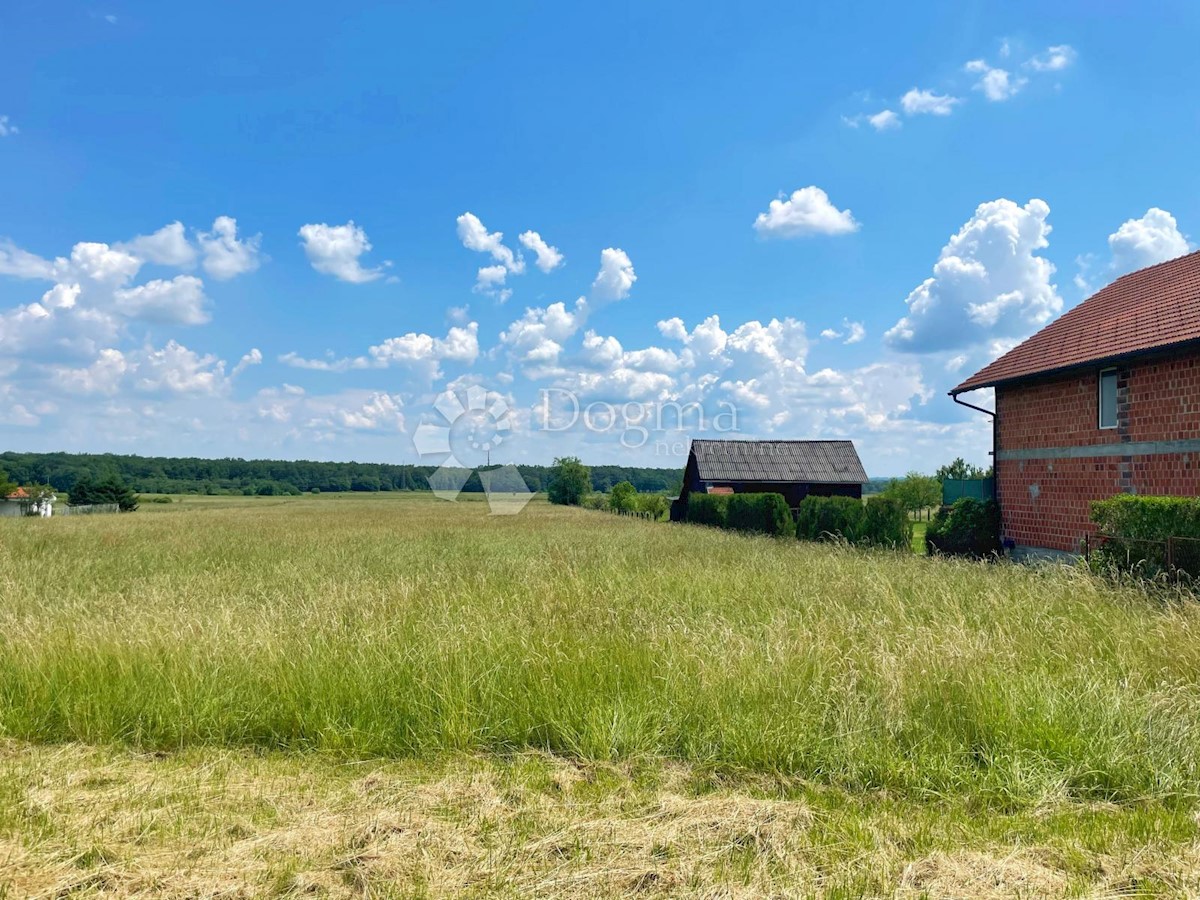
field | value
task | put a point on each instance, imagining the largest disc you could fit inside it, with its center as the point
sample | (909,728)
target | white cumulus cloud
(461,344)
(380,410)
(98,262)
(884,120)
(995,84)
(102,376)
(989,282)
(419,352)
(853,332)
(23,264)
(253,358)
(548,258)
(1053,59)
(537,337)
(475,236)
(616,275)
(224,255)
(1153,238)
(335,250)
(807,212)
(923,102)
(168,246)
(1137,243)
(180,301)
(177,370)
(62,296)
(490,280)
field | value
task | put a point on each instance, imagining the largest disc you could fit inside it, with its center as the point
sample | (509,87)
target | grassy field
(918,538)
(374,694)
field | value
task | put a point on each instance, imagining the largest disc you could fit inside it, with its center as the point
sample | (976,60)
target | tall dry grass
(395,627)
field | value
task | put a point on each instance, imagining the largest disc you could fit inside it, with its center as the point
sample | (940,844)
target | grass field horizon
(402,630)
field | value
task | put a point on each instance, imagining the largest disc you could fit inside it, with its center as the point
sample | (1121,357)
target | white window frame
(1100,399)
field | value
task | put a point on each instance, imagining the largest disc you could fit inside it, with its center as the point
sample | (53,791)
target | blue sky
(737,208)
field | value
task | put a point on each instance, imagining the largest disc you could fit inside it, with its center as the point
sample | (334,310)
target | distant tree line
(190,475)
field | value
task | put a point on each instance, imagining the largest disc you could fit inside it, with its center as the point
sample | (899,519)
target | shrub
(708,509)
(160,500)
(759,514)
(884,524)
(1138,529)
(656,505)
(595,501)
(968,528)
(820,518)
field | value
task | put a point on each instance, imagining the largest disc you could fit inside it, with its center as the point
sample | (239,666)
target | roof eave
(788,480)
(968,386)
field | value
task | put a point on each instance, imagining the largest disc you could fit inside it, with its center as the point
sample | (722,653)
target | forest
(191,475)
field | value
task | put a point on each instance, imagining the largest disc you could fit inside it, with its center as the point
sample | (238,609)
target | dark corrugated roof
(1144,310)
(822,462)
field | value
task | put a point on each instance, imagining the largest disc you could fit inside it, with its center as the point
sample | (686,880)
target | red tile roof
(19,494)
(1144,310)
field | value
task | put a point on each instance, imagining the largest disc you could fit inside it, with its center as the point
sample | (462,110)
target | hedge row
(759,514)
(1137,529)
(708,509)
(752,513)
(1148,518)
(880,522)
(969,527)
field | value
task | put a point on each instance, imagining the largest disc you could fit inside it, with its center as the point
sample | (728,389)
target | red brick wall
(1045,502)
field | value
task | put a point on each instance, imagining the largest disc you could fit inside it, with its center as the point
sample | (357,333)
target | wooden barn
(795,469)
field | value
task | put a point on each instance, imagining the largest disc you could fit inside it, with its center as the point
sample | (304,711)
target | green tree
(108,490)
(570,481)
(6,486)
(915,491)
(961,470)
(624,497)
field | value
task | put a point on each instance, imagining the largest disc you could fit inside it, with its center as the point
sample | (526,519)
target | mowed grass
(208,822)
(564,702)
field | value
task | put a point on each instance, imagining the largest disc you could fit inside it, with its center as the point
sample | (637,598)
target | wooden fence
(1175,556)
(93,509)
(635,513)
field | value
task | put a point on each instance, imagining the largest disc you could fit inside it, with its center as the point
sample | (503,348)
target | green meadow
(747,715)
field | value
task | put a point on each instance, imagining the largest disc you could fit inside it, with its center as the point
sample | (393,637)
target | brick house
(1104,400)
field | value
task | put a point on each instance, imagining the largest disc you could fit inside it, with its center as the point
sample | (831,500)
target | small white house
(19,503)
